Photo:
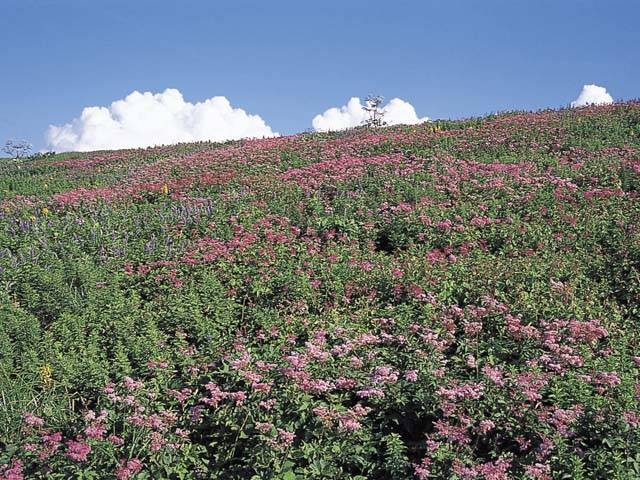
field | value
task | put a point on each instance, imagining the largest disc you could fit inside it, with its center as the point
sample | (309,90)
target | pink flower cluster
(128,468)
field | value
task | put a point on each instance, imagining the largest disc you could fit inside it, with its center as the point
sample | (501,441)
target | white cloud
(396,112)
(592,95)
(145,119)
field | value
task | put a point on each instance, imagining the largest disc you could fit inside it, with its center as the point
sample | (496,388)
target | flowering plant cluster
(443,301)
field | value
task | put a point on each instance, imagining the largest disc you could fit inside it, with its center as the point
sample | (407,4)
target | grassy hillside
(448,300)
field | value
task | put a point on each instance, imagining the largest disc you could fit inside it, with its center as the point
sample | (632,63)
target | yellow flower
(165,189)
(46,374)
(45,211)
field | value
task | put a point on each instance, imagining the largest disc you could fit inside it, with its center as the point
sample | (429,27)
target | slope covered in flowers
(448,300)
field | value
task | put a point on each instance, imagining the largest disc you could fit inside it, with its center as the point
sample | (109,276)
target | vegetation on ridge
(456,299)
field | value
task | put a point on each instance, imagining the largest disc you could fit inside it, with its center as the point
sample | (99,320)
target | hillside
(456,299)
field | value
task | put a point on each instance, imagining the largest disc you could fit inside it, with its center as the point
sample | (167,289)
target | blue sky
(289,60)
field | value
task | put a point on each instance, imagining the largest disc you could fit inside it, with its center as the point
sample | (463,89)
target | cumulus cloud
(146,119)
(592,95)
(397,111)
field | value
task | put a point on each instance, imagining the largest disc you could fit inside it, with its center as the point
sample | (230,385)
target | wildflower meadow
(447,300)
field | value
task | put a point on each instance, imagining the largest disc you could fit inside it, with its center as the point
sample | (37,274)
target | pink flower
(264,427)
(32,420)
(115,440)
(52,438)
(180,395)
(348,424)
(531,384)
(384,374)
(356,362)
(324,414)
(345,383)
(632,418)
(131,384)
(50,444)
(157,364)
(432,445)
(128,468)
(561,419)
(157,441)
(286,438)
(445,225)
(283,440)
(472,328)
(453,433)
(238,397)
(216,395)
(486,425)
(608,379)
(370,392)
(264,387)
(416,292)
(78,450)
(13,472)
(296,361)
(350,420)
(267,404)
(494,374)
(545,448)
(397,273)
(471,361)
(95,431)
(411,375)
(489,471)
(455,391)
(539,471)
(523,443)
(318,386)
(422,470)
(587,332)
